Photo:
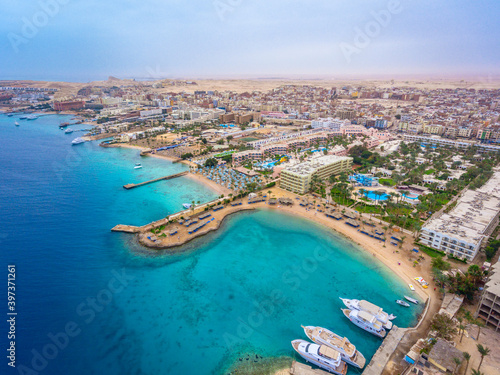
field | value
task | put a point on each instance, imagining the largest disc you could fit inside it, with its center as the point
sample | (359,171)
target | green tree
(484,351)
(444,326)
(440,264)
(467,359)
(457,361)
(212,162)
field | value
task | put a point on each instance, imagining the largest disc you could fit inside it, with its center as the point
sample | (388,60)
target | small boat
(186,205)
(411,287)
(402,303)
(16,123)
(365,321)
(323,336)
(77,141)
(412,300)
(422,282)
(10,115)
(31,117)
(376,311)
(321,355)
(138,166)
(23,117)
(68,131)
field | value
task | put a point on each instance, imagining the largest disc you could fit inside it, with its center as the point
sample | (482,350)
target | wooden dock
(131,186)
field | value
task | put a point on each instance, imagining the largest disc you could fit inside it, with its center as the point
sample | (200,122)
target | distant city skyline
(75,40)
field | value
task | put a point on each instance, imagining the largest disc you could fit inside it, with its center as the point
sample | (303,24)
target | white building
(461,231)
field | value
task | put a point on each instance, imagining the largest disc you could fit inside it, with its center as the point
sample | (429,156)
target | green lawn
(387,181)
(429,171)
(368,209)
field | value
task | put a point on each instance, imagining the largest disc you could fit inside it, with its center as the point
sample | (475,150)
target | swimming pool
(410,196)
(371,195)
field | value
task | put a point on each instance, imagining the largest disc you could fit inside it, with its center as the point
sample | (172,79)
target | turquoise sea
(94,302)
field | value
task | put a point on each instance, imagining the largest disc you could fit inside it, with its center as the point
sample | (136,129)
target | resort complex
(298,178)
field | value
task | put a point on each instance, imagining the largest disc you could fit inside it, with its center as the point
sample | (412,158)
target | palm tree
(467,358)
(479,324)
(484,351)
(461,327)
(457,363)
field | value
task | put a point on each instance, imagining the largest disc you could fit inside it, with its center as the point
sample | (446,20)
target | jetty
(131,186)
(384,352)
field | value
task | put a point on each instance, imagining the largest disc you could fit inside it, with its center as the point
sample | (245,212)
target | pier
(131,186)
(384,352)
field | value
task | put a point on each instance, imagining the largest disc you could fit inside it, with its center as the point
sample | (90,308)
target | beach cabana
(273,201)
(352,223)
(396,238)
(218,207)
(173,231)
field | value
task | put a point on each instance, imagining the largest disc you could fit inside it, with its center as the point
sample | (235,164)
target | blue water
(244,289)
(371,195)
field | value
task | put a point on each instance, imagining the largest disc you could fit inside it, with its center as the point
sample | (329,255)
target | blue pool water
(244,289)
(371,195)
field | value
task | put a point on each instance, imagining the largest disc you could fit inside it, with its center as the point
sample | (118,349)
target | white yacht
(348,352)
(377,312)
(321,355)
(366,321)
(31,117)
(402,303)
(68,131)
(77,141)
(412,300)
(138,166)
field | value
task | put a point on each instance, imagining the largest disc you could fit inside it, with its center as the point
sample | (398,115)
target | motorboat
(321,355)
(16,123)
(412,300)
(68,131)
(31,117)
(376,311)
(365,321)
(138,166)
(411,287)
(23,117)
(348,352)
(186,205)
(77,141)
(402,303)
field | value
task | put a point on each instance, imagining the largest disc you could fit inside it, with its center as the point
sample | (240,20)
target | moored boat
(31,117)
(412,300)
(411,287)
(77,141)
(138,166)
(68,131)
(365,321)
(348,352)
(402,303)
(321,355)
(376,311)
(16,123)
(186,205)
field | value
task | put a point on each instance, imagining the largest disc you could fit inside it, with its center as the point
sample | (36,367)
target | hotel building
(489,307)
(297,179)
(434,140)
(461,231)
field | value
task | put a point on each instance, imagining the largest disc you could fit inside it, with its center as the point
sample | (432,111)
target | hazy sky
(81,40)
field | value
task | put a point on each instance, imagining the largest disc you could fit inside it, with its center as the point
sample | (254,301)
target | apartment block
(462,231)
(297,179)
(489,307)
